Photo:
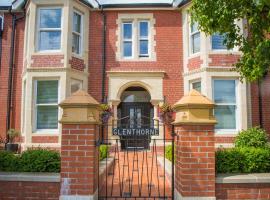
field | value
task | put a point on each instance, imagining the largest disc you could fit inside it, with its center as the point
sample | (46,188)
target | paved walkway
(135,174)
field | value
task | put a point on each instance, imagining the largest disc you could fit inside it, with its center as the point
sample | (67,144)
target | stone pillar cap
(194,99)
(79,98)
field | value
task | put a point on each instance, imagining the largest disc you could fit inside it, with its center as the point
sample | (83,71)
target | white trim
(38,30)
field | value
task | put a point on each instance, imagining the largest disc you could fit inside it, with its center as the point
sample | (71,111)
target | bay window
(195,38)
(77,33)
(49,29)
(46,105)
(226,104)
(218,42)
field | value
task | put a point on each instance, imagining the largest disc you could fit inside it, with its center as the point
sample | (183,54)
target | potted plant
(106,113)
(11,145)
(166,114)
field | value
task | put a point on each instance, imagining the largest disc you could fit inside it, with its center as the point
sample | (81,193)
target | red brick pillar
(79,153)
(195,148)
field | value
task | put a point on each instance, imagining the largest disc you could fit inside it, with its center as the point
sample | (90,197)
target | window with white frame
(49,29)
(144,38)
(131,37)
(224,93)
(127,39)
(218,42)
(195,38)
(46,106)
(196,85)
(77,33)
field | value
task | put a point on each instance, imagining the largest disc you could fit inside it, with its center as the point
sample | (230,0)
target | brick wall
(194,63)
(77,64)
(17,84)
(195,161)
(247,191)
(223,60)
(18,190)
(169,51)
(47,61)
(265,103)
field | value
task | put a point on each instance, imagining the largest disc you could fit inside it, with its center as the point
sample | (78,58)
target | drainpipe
(11,68)
(103,56)
(1,38)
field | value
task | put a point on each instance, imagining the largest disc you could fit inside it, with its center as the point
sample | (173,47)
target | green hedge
(32,160)
(168,152)
(243,160)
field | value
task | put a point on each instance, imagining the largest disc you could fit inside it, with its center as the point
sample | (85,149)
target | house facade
(133,55)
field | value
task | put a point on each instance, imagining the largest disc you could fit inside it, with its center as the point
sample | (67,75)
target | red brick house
(132,54)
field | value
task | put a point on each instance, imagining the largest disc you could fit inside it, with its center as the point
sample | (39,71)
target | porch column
(195,148)
(79,153)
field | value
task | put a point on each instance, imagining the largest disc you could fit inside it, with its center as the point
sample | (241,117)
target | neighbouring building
(132,54)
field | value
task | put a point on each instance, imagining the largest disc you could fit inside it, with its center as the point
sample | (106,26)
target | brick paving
(135,174)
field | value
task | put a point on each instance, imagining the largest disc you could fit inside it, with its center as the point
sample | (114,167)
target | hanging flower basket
(166,114)
(106,113)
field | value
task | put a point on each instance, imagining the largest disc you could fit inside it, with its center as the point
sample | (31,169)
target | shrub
(32,160)
(168,152)
(243,160)
(103,152)
(252,137)
(8,161)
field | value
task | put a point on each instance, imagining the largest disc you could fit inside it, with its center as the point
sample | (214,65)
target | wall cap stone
(243,178)
(30,177)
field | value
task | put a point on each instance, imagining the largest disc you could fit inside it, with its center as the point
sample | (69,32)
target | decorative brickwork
(226,60)
(247,191)
(47,61)
(77,64)
(194,63)
(44,139)
(29,190)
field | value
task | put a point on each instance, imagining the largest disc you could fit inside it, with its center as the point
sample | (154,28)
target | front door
(135,116)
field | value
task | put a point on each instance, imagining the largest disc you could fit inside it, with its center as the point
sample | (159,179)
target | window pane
(217,42)
(144,47)
(144,29)
(77,22)
(49,40)
(127,49)
(224,91)
(196,43)
(196,86)
(76,43)
(47,117)
(47,92)
(50,18)
(226,117)
(194,27)
(127,31)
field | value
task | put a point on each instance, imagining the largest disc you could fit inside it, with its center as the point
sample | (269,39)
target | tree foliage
(223,16)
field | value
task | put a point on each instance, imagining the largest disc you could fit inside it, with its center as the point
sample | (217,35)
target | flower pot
(12,147)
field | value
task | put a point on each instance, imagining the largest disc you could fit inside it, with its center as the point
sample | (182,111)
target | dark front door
(135,116)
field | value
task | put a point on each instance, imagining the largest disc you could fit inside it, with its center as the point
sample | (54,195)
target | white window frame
(191,34)
(236,104)
(48,29)
(35,105)
(144,39)
(78,34)
(128,40)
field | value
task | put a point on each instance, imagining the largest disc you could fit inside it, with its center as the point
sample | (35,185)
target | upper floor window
(218,42)
(144,39)
(226,104)
(46,107)
(195,38)
(135,42)
(49,29)
(77,33)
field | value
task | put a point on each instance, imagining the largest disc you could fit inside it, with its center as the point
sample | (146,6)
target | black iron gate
(139,171)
